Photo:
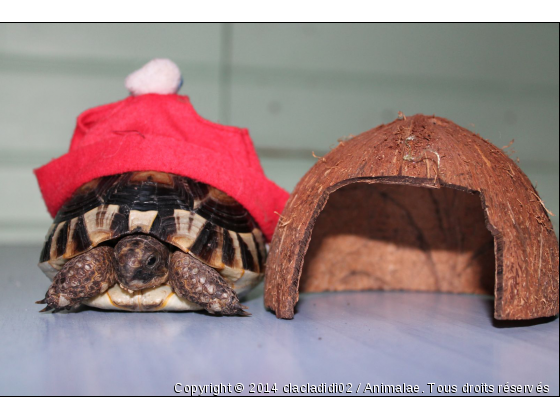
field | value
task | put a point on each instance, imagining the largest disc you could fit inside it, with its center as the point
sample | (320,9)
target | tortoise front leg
(85,276)
(201,284)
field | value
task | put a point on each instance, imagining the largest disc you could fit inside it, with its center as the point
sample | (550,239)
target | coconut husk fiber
(418,204)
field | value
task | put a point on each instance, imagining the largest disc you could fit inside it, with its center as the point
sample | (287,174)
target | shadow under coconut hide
(400,237)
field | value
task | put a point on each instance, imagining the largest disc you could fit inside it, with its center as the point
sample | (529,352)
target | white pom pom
(158,76)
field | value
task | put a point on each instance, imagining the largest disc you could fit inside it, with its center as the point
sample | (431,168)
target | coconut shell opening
(400,237)
(418,204)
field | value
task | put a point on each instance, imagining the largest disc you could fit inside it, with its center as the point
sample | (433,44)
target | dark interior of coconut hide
(400,237)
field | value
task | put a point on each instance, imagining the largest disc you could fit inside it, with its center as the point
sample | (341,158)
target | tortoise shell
(194,217)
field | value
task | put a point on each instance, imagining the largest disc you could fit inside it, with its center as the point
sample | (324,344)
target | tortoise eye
(151,261)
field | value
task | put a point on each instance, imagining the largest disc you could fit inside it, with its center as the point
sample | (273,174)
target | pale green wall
(296,87)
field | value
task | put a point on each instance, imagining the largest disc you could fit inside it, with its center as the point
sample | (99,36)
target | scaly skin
(201,284)
(143,262)
(88,275)
(140,262)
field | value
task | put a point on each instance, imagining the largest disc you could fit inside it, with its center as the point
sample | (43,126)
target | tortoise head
(143,262)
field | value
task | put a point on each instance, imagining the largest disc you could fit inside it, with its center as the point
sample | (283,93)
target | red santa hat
(156,129)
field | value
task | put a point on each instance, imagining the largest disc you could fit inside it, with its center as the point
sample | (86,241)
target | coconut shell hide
(418,204)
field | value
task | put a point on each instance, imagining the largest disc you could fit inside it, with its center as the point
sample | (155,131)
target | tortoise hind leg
(83,277)
(195,281)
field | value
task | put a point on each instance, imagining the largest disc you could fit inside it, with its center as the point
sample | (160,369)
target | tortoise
(152,241)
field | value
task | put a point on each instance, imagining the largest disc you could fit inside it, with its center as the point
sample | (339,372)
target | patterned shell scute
(193,216)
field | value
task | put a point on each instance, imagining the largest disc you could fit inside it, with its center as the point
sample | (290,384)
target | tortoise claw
(55,310)
(42,301)
(241,312)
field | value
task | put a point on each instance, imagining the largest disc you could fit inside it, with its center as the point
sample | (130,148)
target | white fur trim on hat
(158,76)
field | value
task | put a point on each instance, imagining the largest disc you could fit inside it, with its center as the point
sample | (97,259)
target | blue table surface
(356,338)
